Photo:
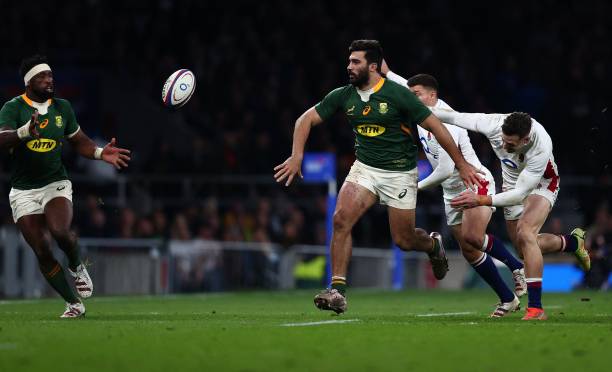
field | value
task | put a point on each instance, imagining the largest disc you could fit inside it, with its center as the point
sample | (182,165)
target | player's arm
(487,124)
(86,147)
(445,169)
(313,116)
(11,137)
(467,172)
(527,181)
(293,165)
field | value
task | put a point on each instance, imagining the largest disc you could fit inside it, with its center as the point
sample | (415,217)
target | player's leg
(58,215)
(353,201)
(511,229)
(407,238)
(550,243)
(472,236)
(570,243)
(34,231)
(536,210)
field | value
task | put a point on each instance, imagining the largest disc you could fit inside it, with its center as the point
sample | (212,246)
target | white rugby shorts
(26,202)
(397,189)
(547,187)
(454,216)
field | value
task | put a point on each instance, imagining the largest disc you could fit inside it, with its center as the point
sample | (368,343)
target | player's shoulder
(14,102)
(341,92)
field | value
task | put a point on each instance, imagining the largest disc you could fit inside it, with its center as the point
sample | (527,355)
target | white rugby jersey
(444,171)
(521,171)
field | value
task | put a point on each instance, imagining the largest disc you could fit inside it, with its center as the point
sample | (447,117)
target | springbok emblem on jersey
(383,108)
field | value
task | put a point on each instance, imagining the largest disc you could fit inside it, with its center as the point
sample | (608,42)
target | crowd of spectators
(260,64)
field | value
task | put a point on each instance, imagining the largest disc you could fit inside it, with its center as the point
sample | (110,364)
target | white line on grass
(446,314)
(324,322)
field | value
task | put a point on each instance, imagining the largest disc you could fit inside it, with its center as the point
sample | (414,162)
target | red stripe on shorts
(550,173)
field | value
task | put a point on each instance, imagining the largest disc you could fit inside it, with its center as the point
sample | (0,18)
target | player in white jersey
(530,188)
(468,226)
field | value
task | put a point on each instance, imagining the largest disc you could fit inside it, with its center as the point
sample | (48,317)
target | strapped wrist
(98,153)
(483,200)
(23,132)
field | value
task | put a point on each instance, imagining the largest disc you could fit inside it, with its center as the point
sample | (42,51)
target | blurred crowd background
(205,171)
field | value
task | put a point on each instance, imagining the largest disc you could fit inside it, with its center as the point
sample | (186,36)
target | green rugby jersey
(383,138)
(37,163)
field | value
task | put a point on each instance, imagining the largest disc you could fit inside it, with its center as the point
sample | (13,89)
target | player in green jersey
(381,113)
(32,127)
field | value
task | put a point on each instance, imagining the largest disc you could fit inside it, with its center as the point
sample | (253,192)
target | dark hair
(425,80)
(30,62)
(373,51)
(517,123)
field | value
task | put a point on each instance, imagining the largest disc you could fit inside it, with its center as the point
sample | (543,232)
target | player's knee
(525,234)
(341,221)
(474,239)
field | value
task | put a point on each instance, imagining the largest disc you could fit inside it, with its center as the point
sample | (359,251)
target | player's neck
(34,97)
(372,81)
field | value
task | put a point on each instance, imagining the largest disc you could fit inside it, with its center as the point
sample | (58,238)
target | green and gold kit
(383,137)
(38,162)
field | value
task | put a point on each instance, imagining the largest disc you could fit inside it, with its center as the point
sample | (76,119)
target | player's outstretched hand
(288,169)
(469,175)
(33,124)
(467,199)
(116,156)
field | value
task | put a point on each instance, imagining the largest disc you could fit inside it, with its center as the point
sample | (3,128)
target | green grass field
(261,331)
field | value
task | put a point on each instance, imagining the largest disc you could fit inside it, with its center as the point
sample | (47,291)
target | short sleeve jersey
(382,123)
(38,162)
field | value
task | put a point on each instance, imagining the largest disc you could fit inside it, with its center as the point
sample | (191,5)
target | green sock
(57,280)
(339,283)
(71,249)
(74,258)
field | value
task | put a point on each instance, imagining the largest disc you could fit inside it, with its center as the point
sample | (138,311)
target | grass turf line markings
(323,322)
(447,314)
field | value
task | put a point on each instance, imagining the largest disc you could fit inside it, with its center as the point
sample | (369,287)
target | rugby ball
(179,88)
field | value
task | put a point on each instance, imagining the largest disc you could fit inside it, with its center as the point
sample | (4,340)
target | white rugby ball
(179,88)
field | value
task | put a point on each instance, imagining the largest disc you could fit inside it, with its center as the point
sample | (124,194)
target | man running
(468,226)
(31,127)
(530,188)
(381,113)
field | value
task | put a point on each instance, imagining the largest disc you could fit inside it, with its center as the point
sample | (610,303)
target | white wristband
(98,153)
(23,132)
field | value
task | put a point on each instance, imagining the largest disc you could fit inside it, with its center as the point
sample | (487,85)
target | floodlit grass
(262,331)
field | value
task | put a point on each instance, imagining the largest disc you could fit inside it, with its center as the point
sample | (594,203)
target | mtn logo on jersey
(41,145)
(370,130)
